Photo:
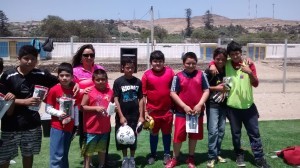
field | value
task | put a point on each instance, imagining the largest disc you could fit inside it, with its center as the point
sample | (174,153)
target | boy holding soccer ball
(128,98)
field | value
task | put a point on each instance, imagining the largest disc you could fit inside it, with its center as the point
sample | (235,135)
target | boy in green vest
(241,107)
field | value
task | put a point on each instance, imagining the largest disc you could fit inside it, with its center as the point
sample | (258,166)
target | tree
(188,30)
(160,33)
(55,27)
(208,20)
(4,32)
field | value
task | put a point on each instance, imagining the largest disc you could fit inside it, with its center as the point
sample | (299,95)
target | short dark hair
(99,72)
(1,65)
(191,55)
(65,67)
(220,50)
(27,50)
(157,54)
(233,46)
(126,60)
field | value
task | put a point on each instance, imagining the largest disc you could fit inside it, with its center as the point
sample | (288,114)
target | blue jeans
(59,148)
(216,118)
(248,117)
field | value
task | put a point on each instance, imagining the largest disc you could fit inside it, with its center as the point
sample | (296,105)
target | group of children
(159,95)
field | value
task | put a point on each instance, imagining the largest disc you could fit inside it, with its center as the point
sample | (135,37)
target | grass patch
(276,135)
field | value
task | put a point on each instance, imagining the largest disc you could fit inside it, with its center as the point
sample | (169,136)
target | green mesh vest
(240,95)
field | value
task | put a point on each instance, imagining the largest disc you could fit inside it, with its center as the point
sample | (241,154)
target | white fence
(111,51)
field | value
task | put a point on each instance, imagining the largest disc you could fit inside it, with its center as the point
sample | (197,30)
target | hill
(176,25)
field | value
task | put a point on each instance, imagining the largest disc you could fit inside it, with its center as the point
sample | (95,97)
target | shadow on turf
(200,158)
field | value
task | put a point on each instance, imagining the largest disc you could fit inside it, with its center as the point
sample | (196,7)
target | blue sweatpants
(59,148)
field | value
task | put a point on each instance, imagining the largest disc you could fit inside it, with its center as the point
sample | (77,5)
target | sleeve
(175,87)
(208,75)
(116,89)
(211,63)
(50,80)
(3,79)
(140,92)
(205,84)
(51,97)
(253,69)
(144,84)
(52,111)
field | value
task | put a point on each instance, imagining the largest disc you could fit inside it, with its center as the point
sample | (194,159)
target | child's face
(65,78)
(128,69)
(236,56)
(28,62)
(157,65)
(190,65)
(220,61)
(100,81)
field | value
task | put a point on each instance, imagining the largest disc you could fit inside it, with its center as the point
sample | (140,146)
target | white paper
(111,108)
(192,123)
(41,92)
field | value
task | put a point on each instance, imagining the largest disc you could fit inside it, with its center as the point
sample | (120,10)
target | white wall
(277,51)
(111,51)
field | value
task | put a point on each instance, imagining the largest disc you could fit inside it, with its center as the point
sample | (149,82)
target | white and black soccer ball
(125,135)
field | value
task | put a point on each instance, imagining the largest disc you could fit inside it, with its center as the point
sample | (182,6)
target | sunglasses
(89,55)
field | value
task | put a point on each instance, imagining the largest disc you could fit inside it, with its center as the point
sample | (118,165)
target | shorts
(133,125)
(164,123)
(29,142)
(94,143)
(180,130)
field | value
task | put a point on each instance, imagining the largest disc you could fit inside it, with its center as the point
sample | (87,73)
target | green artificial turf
(275,135)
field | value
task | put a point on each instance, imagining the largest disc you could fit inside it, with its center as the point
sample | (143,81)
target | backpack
(36,44)
(48,45)
(290,155)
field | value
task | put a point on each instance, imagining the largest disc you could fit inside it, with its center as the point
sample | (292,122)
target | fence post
(284,65)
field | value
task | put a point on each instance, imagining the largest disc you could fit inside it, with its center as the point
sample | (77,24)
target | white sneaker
(12,162)
(125,163)
(131,163)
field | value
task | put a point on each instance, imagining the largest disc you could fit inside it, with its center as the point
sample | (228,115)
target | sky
(27,10)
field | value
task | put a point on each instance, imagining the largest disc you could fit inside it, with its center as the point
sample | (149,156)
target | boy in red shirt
(156,84)
(189,91)
(60,104)
(96,121)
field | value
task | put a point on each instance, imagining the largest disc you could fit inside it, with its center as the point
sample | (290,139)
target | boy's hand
(148,117)
(76,89)
(87,90)
(63,115)
(101,110)
(246,69)
(33,101)
(9,96)
(141,119)
(197,109)
(123,120)
(213,70)
(187,110)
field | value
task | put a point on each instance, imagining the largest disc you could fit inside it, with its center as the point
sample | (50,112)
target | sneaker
(210,163)
(167,157)
(240,161)
(125,163)
(172,163)
(151,160)
(221,160)
(262,163)
(131,163)
(191,162)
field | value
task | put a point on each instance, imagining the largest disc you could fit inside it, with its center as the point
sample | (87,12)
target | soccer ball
(125,135)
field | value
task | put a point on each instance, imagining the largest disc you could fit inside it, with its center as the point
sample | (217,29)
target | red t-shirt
(53,97)
(94,122)
(156,86)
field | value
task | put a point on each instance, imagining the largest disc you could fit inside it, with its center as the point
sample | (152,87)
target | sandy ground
(270,100)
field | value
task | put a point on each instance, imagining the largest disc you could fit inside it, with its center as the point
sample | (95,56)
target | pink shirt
(84,77)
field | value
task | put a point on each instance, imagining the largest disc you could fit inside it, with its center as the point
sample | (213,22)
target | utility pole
(256,11)
(249,9)
(152,29)
(273,10)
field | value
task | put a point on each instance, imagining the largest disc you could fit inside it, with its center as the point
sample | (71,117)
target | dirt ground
(269,98)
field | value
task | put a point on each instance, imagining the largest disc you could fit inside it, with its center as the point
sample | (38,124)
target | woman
(83,63)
